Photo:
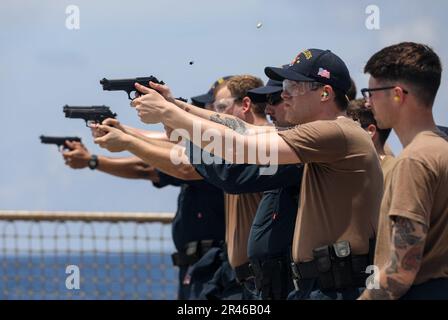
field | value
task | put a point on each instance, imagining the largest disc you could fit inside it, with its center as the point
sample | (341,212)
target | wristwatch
(93,162)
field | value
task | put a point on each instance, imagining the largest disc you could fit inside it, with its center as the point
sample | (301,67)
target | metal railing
(80,255)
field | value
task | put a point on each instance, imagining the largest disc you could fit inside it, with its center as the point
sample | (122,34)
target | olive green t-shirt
(387,163)
(342,186)
(240,211)
(417,190)
(383,242)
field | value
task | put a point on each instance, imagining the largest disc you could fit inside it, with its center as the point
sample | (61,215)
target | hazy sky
(44,65)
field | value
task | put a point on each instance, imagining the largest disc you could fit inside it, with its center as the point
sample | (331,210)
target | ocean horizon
(102,276)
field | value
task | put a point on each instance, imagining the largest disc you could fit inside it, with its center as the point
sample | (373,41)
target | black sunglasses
(274,99)
(367,92)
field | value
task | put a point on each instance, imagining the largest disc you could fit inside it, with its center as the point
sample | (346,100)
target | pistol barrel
(59,141)
(127,85)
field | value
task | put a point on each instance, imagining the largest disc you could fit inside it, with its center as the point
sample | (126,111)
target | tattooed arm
(229,121)
(407,244)
(234,123)
(265,147)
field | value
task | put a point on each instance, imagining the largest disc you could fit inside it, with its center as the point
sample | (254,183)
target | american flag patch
(324,73)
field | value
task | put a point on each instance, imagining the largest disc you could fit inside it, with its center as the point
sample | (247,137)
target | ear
(246,103)
(399,95)
(371,130)
(325,93)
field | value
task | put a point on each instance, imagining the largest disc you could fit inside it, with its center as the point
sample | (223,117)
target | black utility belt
(334,266)
(193,252)
(243,272)
(261,269)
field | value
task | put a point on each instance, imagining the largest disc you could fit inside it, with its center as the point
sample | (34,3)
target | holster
(272,277)
(334,266)
(322,258)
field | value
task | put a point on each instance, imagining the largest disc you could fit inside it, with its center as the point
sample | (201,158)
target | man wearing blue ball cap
(342,184)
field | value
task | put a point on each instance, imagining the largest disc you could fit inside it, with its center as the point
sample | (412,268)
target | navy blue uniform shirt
(273,226)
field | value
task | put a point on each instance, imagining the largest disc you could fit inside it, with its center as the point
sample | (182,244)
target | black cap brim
(265,90)
(281,74)
(259,95)
(202,100)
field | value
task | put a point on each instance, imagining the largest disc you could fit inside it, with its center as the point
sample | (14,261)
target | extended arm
(243,178)
(155,138)
(261,148)
(169,159)
(229,121)
(155,135)
(130,167)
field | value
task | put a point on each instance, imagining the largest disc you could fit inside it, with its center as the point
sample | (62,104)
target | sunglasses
(367,92)
(294,88)
(274,99)
(221,105)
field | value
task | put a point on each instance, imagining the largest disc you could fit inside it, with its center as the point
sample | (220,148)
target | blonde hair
(240,85)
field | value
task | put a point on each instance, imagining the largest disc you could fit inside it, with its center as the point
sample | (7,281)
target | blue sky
(43,66)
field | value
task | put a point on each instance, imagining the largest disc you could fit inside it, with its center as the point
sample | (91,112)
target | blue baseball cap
(315,65)
(260,94)
(272,88)
(207,98)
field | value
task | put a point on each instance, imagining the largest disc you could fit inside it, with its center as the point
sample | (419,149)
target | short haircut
(340,99)
(219,87)
(240,85)
(412,63)
(358,112)
(351,93)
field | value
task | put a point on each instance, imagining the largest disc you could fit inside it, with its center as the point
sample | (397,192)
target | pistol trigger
(129,95)
(137,94)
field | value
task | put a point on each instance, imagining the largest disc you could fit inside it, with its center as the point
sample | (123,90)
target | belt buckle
(192,248)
